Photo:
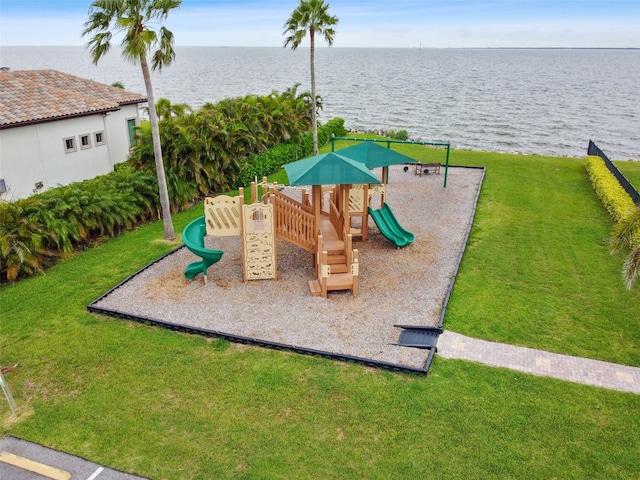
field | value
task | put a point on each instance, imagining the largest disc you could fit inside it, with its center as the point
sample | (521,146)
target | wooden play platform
(323,224)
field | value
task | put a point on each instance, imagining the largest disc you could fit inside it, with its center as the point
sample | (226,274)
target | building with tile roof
(57,128)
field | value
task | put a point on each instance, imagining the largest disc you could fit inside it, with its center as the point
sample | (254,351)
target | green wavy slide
(193,238)
(390,227)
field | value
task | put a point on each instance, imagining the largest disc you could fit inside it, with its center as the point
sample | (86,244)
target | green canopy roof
(328,169)
(374,155)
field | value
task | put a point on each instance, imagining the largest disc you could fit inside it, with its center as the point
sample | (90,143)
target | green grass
(537,270)
(167,405)
(631,170)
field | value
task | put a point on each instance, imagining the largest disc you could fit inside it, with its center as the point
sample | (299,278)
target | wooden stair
(335,281)
(338,263)
(335,272)
(315,288)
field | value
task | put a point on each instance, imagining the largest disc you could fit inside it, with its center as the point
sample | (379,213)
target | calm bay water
(547,102)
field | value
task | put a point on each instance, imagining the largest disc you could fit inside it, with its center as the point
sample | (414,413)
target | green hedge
(614,198)
(273,159)
(37,230)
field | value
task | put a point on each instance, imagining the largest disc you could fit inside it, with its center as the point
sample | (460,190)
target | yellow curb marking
(35,467)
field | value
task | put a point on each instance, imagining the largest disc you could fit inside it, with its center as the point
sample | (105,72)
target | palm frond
(631,268)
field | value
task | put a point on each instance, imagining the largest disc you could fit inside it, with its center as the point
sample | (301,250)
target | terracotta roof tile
(34,96)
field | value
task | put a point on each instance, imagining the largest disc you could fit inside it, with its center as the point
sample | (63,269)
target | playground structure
(323,223)
(329,235)
(229,216)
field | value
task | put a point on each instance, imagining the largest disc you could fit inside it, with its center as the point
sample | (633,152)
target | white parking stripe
(96,473)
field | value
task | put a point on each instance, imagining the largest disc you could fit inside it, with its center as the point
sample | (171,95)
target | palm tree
(167,110)
(134,18)
(627,234)
(312,16)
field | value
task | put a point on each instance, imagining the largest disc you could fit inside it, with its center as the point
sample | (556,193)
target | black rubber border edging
(93,308)
(445,303)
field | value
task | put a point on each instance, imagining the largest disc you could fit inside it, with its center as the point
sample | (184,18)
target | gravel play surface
(397,286)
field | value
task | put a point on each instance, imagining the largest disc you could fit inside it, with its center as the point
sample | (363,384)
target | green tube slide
(390,227)
(193,238)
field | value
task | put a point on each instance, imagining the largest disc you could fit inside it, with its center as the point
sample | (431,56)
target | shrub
(204,151)
(614,198)
(399,135)
(625,213)
(22,240)
(273,159)
(41,228)
(45,226)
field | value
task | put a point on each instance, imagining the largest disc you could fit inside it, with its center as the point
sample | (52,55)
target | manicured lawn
(631,170)
(161,404)
(537,270)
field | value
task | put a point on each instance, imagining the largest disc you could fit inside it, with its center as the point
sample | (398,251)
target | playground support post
(390,141)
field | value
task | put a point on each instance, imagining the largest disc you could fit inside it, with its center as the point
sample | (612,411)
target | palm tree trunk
(314,122)
(169,233)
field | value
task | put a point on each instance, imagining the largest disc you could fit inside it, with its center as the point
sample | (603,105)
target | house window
(85,141)
(131,125)
(98,138)
(69,144)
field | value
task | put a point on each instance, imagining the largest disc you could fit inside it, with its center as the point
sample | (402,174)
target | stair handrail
(335,218)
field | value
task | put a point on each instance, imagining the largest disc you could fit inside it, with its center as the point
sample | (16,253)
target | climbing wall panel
(259,245)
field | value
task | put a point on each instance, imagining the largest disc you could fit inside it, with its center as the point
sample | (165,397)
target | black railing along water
(626,184)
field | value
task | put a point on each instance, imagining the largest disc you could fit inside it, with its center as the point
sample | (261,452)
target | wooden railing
(348,245)
(335,218)
(294,221)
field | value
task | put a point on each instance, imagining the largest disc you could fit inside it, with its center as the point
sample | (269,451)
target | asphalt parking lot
(22,460)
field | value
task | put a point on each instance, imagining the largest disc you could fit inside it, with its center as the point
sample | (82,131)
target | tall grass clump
(626,235)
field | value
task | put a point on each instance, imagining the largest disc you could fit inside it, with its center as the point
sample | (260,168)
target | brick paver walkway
(538,362)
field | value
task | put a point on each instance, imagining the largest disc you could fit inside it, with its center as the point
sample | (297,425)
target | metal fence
(626,184)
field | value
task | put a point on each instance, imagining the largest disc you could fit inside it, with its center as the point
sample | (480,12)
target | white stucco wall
(118,135)
(20,161)
(36,153)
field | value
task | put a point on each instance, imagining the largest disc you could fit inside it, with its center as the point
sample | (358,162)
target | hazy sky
(373,23)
